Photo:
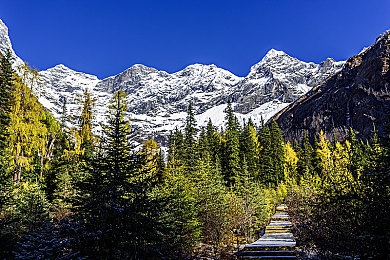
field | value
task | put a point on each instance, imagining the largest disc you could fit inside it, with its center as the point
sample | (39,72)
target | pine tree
(176,147)
(231,150)
(122,216)
(357,158)
(105,192)
(211,196)
(203,146)
(181,210)
(249,192)
(305,166)
(277,144)
(266,170)
(6,102)
(249,149)
(6,90)
(190,132)
(213,141)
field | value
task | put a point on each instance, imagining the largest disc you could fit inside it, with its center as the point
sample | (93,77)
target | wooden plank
(268,257)
(277,243)
(268,252)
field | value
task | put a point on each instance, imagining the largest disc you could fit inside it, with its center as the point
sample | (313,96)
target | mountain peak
(140,68)
(271,54)
(61,67)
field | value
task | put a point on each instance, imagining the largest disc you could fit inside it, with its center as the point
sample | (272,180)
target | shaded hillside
(356,97)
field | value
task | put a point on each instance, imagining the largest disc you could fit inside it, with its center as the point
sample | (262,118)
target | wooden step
(277,227)
(268,252)
(282,207)
(271,247)
(280,223)
(270,231)
(268,257)
(277,242)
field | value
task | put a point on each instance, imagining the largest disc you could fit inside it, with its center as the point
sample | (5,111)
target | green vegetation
(340,200)
(67,194)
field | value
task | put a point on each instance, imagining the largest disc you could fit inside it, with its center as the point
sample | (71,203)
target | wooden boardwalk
(277,243)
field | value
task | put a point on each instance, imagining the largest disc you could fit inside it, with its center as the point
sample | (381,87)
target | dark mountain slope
(357,97)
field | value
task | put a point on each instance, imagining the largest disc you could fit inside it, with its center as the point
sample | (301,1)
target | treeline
(68,194)
(340,202)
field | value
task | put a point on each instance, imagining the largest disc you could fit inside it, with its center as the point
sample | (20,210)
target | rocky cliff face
(358,96)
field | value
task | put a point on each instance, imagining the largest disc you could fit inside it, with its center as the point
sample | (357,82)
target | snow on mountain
(158,100)
(5,44)
(280,76)
(60,83)
(154,92)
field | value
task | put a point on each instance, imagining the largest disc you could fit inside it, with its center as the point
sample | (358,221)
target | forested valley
(67,193)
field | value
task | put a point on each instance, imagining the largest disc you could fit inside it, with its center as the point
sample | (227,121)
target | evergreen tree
(249,192)
(190,132)
(105,192)
(231,149)
(213,141)
(266,170)
(357,158)
(6,102)
(181,210)
(6,90)
(203,147)
(249,149)
(122,217)
(176,147)
(277,144)
(211,196)
(305,163)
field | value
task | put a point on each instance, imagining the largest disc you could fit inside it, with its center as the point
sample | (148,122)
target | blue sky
(106,37)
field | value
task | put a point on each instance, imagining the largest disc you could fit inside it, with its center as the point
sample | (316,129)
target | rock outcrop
(356,97)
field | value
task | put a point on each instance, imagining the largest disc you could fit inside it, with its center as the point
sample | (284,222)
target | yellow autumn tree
(29,136)
(290,164)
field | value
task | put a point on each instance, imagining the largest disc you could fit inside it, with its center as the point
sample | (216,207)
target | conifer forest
(68,193)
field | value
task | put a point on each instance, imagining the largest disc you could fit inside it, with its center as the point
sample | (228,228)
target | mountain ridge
(159,100)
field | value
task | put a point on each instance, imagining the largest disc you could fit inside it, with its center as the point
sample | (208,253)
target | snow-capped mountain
(5,44)
(60,82)
(154,92)
(282,77)
(158,100)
